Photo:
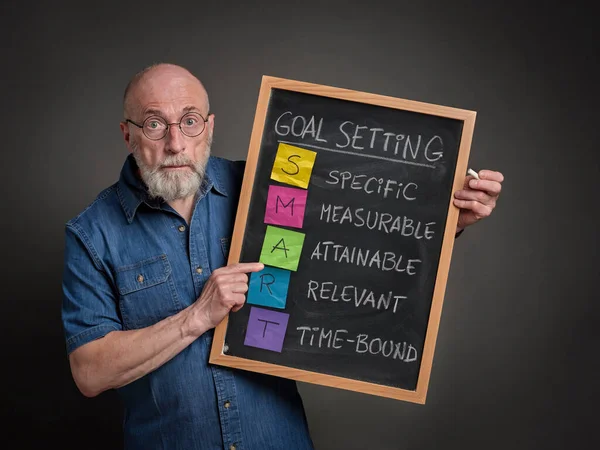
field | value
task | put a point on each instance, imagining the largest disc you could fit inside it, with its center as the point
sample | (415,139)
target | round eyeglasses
(191,124)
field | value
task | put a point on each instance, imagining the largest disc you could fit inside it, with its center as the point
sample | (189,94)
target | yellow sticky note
(293,165)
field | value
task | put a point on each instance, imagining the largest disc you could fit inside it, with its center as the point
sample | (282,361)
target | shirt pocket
(147,293)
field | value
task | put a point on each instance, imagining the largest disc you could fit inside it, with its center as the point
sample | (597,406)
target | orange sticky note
(293,165)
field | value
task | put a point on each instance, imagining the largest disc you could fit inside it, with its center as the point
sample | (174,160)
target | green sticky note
(282,248)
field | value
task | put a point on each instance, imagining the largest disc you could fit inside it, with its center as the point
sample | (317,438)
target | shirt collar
(133,192)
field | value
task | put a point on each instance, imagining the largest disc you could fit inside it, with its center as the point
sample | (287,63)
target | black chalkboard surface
(346,199)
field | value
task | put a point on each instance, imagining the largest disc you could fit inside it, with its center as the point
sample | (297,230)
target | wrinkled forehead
(169,92)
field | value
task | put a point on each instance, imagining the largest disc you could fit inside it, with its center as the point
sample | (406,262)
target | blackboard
(347,199)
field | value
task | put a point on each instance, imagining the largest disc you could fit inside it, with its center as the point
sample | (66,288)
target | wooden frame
(468,118)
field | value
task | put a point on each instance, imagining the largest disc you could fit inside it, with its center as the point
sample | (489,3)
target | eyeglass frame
(169,124)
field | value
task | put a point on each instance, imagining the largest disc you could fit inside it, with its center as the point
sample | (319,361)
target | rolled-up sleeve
(89,307)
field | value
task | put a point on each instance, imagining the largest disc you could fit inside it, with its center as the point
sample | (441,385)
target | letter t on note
(266,329)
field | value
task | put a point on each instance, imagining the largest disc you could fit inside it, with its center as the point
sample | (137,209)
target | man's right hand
(223,292)
(121,357)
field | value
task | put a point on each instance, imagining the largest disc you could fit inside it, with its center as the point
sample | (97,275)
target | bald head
(171,166)
(159,83)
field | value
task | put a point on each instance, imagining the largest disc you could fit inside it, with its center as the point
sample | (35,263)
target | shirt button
(232,447)
(140,278)
(181,228)
(227,404)
(199,269)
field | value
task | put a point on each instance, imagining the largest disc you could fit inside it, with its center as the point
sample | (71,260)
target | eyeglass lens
(191,124)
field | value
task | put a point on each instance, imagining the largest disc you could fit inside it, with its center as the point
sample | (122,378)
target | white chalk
(474,174)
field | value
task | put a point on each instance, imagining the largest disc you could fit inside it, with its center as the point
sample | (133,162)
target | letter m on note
(286,206)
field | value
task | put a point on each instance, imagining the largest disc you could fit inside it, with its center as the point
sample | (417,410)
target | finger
(227,297)
(479,196)
(236,308)
(239,288)
(242,268)
(230,278)
(479,209)
(468,179)
(491,175)
(224,279)
(230,291)
(240,301)
(491,187)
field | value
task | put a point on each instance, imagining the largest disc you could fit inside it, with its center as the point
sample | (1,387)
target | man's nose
(175,139)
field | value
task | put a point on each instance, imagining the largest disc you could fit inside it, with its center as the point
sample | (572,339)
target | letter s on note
(282,130)
(292,162)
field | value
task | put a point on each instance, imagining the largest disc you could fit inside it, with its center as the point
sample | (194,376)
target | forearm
(121,357)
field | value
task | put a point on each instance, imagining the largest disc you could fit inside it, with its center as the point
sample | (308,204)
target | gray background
(516,360)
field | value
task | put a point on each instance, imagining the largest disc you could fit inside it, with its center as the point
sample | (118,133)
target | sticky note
(281,248)
(266,329)
(269,287)
(293,165)
(285,206)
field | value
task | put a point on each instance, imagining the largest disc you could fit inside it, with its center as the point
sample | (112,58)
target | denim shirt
(130,262)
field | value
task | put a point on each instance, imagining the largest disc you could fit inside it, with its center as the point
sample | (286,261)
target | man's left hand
(478,198)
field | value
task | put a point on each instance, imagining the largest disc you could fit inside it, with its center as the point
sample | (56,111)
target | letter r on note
(269,287)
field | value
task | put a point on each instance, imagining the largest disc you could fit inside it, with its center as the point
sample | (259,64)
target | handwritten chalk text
(384,261)
(362,343)
(350,135)
(375,220)
(327,290)
(385,188)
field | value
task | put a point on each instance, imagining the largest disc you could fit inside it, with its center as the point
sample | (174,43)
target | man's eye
(153,124)
(190,121)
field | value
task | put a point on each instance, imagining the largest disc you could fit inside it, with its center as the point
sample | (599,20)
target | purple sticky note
(266,329)
(285,206)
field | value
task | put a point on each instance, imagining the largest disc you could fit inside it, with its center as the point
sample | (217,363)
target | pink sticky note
(285,206)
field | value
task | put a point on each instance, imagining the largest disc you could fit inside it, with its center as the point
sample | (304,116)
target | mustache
(175,161)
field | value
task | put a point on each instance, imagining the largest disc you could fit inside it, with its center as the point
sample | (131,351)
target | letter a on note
(269,287)
(285,206)
(293,165)
(282,248)
(266,329)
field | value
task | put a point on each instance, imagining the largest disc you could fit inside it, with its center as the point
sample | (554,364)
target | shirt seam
(83,237)
(102,196)
(217,181)
(78,340)
(129,215)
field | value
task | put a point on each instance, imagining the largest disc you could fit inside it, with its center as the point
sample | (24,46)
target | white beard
(172,184)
